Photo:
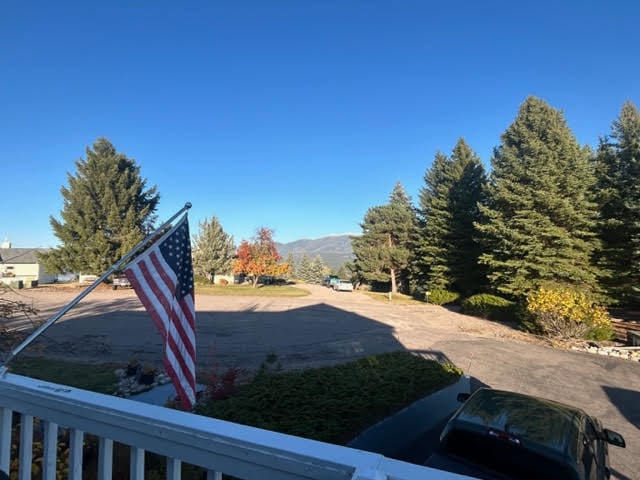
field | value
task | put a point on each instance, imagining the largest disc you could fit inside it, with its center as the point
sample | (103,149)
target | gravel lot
(327,327)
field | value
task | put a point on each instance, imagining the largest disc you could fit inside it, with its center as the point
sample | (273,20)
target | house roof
(20,255)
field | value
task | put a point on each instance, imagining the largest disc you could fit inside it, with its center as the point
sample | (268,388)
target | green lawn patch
(334,404)
(87,376)
(248,290)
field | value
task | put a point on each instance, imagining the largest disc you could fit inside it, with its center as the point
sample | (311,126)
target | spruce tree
(447,250)
(303,268)
(318,270)
(538,223)
(107,210)
(213,249)
(618,192)
(383,251)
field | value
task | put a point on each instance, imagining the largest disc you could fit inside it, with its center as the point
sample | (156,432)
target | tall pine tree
(213,249)
(618,191)
(538,223)
(447,250)
(107,210)
(383,251)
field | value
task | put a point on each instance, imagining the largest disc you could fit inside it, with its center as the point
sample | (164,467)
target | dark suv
(506,435)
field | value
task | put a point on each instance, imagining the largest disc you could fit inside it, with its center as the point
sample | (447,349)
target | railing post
(136,464)
(5,439)
(105,458)
(49,450)
(174,470)
(76,438)
(26,447)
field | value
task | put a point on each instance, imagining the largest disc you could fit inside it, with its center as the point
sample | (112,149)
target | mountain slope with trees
(334,250)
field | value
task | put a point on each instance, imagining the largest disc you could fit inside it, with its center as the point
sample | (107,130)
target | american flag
(162,277)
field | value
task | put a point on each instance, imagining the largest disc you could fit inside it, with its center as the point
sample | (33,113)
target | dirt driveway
(328,327)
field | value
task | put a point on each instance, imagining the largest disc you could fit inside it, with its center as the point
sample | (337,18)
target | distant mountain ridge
(334,250)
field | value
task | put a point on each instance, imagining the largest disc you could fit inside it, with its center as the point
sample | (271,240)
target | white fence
(217,446)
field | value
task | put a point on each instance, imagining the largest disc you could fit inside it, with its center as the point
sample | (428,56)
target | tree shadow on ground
(626,401)
(320,334)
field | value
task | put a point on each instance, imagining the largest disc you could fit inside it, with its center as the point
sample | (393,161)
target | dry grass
(396,298)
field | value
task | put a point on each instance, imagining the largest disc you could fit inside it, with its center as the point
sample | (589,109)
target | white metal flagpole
(116,266)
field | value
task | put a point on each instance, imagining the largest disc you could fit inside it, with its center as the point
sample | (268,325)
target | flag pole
(116,266)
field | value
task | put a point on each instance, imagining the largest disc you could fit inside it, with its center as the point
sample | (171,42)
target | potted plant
(147,375)
(133,367)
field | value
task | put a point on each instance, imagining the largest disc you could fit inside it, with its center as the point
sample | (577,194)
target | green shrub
(333,404)
(489,306)
(564,312)
(440,296)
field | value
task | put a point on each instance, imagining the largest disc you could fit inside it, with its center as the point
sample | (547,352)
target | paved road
(328,327)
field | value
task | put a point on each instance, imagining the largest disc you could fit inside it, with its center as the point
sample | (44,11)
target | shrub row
(489,306)
(557,311)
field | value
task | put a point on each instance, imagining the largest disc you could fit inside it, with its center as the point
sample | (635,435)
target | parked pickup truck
(120,281)
(497,435)
(343,286)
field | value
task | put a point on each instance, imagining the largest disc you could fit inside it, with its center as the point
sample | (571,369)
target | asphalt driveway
(327,327)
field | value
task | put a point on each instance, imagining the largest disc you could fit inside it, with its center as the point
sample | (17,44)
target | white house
(22,264)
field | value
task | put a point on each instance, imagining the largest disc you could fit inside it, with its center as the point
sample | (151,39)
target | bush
(489,306)
(440,296)
(566,313)
(333,404)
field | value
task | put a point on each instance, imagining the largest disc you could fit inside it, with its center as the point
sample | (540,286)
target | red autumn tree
(259,257)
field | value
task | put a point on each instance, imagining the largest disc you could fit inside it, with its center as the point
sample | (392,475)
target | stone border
(626,353)
(402,429)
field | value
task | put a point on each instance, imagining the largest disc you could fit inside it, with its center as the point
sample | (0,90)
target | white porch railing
(217,446)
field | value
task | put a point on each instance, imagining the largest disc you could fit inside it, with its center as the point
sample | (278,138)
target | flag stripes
(163,280)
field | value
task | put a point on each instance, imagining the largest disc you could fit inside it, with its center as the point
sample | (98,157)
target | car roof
(547,427)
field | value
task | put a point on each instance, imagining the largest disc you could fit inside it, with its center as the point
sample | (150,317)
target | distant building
(22,264)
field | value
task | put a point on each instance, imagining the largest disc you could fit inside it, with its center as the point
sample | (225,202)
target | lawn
(87,376)
(248,290)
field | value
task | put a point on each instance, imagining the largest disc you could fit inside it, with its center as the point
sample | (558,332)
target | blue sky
(297,115)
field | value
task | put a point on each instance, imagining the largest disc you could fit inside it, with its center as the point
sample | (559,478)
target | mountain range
(334,250)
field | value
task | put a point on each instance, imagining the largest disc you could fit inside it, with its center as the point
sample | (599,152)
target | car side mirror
(463,397)
(614,438)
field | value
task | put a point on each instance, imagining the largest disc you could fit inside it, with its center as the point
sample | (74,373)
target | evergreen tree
(539,223)
(107,210)
(383,251)
(447,250)
(618,192)
(213,249)
(303,268)
(311,270)
(290,260)
(318,270)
